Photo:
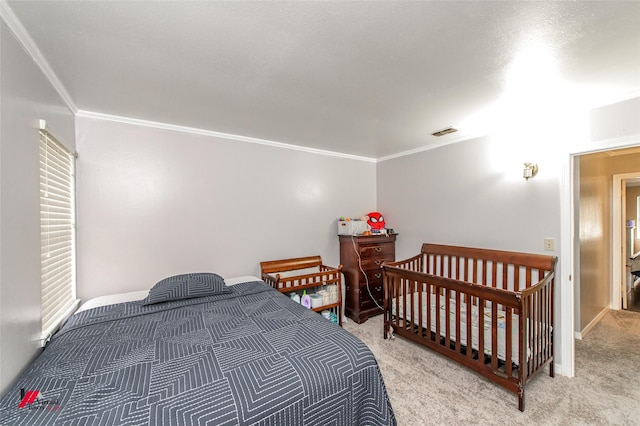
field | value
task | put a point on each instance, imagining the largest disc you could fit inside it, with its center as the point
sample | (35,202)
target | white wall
(614,122)
(155,202)
(26,97)
(456,195)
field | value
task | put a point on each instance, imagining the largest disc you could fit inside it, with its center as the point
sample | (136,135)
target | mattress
(249,356)
(131,296)
(441,307)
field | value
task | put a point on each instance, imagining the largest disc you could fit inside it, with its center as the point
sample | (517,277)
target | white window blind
(57,233)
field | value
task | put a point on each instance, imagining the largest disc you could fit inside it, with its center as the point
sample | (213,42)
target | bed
(489,310)
(242,354)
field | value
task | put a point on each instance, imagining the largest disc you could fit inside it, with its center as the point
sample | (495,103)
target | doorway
(623,209)
(601,216)
(629,215)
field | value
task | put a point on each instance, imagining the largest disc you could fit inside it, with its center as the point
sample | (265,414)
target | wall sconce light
(530,170)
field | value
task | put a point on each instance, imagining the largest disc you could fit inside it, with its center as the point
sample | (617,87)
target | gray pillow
(186,286)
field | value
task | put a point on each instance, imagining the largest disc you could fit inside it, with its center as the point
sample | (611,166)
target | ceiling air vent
(444,131)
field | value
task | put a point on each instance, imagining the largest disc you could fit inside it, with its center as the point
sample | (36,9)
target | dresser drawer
(374,284)
(374,277)
(375,264)
(365,298)
(375,251)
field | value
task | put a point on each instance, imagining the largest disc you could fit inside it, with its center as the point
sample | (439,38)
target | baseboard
(580,334)
(557,369)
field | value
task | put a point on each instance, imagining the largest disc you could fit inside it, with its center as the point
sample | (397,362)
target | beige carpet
(427,389)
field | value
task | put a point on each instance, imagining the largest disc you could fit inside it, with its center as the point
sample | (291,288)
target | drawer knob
(378,262)
(377,275)
(378,249)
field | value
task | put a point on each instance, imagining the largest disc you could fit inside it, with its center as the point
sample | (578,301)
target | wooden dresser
(365,253)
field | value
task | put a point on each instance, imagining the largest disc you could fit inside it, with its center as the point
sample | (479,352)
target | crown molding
(27,43)
(614,99)
(212,133)
(449,141)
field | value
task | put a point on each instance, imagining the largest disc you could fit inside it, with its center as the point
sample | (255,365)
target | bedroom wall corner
(27,96)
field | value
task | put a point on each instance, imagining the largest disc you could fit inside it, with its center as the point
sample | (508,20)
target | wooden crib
(489,310)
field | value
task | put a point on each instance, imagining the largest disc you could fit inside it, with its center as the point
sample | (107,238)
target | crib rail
(537,310)
(489,310)
(324,275)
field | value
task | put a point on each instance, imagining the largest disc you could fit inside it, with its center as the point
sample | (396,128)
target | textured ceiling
(371,79)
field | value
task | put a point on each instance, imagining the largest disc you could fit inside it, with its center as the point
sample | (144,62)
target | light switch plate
(549,244)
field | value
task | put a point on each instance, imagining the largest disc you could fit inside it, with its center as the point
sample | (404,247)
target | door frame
(617,240)
(568,275)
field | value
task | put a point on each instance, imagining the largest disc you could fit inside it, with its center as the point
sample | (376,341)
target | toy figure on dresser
(376,222)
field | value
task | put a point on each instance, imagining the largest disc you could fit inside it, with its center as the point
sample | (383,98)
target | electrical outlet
(549,244)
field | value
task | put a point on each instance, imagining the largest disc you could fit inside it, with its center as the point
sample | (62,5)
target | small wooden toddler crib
(489,310)
(306,273)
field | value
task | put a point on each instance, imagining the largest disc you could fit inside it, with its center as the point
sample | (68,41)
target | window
(57,233)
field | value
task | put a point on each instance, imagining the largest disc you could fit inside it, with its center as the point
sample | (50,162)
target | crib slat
(429,322)
(494,274)
(508,332)
(536,326)
(485,278)
(447,317)
(397,283)
(494,335)
(524,320)
(544,331)
(530,335)
(437,313)
(550,323)
(505,279)
(420,307)
(410,291)
(404,303)
(539,351)
(547,319)
(458,335)
(469,331)
(480,329)
(539,329)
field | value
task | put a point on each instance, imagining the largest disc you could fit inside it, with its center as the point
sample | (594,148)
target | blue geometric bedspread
(249,357)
